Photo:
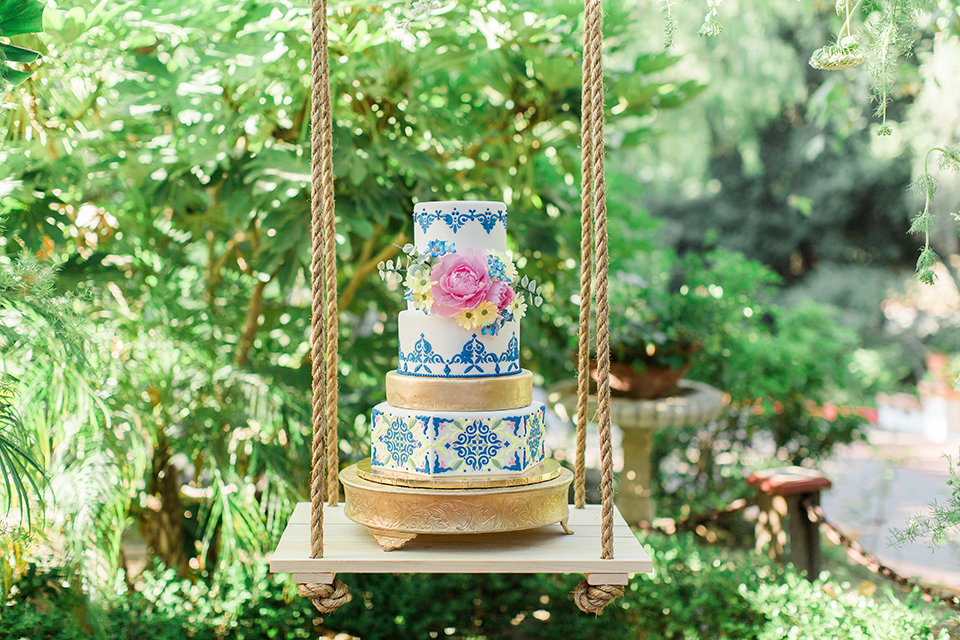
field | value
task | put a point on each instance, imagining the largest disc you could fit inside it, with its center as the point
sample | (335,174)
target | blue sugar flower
(439,248)
(495,268)
(493,328)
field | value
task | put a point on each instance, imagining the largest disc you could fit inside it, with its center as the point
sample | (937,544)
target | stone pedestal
(692,403)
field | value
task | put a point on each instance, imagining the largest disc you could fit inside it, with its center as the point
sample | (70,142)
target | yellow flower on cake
(518,307)
(422,301)
(484,314)
(418,280)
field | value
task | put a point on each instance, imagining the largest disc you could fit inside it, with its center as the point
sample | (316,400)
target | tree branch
(367,267)
(250,325)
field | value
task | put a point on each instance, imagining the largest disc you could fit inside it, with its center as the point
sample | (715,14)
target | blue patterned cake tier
(456,218)
(463,224)
(457,444)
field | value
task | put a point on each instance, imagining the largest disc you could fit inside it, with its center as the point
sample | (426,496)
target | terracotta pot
(652,382)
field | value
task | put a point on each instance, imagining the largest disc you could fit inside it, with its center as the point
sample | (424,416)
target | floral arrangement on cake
(480,289)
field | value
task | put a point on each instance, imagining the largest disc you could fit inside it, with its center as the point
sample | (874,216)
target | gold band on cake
(496,393)
(546,470)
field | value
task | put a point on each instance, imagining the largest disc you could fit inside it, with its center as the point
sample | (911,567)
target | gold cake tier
(496,393)
(546,470)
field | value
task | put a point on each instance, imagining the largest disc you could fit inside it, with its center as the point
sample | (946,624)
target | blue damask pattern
(399,441)
(474,354)
(456,219)
(477,444)
(421,356)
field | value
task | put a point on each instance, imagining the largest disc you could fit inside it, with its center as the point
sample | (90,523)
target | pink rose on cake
(462,282)
(500,294)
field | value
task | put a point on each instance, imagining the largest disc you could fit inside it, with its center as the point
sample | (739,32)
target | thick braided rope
(592,598)
(332,328)
(586,268)
(594,24)
(320,66)
(327,598)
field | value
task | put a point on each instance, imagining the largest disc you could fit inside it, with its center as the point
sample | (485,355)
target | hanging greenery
(925,186)
(846,52)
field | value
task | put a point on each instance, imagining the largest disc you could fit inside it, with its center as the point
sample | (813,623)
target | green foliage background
(158,161)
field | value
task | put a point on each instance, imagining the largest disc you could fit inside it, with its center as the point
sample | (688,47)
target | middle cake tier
(432,345)
(461,444)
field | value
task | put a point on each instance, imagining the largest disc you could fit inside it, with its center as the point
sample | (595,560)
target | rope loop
(327,598)
(592,598)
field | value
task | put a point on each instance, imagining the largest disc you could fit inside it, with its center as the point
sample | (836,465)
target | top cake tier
(464,296)
(465,224)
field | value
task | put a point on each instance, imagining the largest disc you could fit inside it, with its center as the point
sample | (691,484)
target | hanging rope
(586,275)
(593,598)
(323,280)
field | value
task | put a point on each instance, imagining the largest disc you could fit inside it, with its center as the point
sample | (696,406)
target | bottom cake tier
(457,444)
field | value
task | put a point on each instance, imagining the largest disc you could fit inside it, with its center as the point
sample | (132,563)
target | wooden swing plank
(350,548)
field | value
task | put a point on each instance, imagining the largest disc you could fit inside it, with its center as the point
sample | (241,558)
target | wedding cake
(459,406)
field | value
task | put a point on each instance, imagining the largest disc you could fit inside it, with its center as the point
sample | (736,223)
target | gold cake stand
(396,509)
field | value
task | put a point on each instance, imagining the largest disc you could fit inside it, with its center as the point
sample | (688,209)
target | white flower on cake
(518,308)
(418,279)
(422,301)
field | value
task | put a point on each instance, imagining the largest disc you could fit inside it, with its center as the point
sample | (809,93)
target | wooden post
(782,493)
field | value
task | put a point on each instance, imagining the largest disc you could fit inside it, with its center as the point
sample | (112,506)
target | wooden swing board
(350,548)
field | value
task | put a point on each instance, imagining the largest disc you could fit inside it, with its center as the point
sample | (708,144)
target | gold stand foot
(390,540)
(567,530)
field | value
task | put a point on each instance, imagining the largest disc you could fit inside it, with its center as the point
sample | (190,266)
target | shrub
(799,610)
(696,592)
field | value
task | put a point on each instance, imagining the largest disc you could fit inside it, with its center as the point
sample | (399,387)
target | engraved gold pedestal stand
(395,509)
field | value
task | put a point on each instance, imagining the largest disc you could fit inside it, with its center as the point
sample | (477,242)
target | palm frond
(20,470)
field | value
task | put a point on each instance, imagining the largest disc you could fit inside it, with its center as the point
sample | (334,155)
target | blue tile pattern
(432,445)
(400,441)
(477,444)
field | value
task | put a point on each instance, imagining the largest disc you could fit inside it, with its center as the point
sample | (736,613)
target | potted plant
(658,325)
(650,347)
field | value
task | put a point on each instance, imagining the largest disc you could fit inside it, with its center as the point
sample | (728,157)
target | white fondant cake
(462,321)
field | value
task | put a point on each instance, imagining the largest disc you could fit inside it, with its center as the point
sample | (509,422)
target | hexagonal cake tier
(457,445)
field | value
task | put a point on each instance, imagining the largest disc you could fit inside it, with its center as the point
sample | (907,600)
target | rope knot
(327,598)
(592,598)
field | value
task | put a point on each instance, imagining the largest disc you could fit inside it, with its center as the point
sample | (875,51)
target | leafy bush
(696,592)
(799,610)
(780,365)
